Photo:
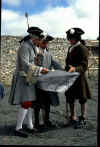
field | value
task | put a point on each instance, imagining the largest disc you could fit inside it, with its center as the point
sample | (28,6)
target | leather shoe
(49,124)
(81,123)
(31,131)
(20,133)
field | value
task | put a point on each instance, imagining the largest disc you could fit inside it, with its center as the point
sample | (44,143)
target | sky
(55,17)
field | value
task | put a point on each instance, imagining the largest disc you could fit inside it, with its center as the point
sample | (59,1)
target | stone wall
(9,47)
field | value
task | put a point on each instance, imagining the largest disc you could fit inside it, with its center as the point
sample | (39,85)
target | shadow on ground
(7,130)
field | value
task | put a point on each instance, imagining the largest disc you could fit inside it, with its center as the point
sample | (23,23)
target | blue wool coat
(1,91)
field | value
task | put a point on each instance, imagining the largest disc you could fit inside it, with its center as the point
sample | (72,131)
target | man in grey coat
(23,83)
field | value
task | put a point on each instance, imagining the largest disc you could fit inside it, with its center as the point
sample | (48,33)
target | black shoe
(31,131)
(42,126)
(37,126)
(71,122)
(49,124)
(74,122)
(81,123)
(20,133)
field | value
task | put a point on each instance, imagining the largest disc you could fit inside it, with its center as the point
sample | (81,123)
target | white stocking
(21,115)
(29,118)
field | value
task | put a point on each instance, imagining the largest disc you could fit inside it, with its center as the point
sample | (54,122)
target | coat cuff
(32,73)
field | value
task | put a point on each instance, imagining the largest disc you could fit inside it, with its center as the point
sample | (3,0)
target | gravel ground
(60,136)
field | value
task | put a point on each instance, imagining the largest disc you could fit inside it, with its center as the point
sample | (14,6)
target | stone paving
(60,136)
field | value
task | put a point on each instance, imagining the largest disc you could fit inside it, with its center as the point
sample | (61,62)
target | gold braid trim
(22,74)
(32,74)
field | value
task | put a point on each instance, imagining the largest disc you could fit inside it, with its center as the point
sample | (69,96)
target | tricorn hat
(74,33)
(48,38)
(35,31)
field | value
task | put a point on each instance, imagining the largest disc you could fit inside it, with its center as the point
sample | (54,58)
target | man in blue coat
(46,98)
(1,91)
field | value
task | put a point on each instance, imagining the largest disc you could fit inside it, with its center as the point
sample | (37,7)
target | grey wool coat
(20,90)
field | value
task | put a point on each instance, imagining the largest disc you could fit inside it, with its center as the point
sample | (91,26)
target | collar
(43,50)
(73,46)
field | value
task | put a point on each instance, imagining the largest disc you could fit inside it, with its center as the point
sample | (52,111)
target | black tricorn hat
(74,33)
(48,38)
(34,30)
